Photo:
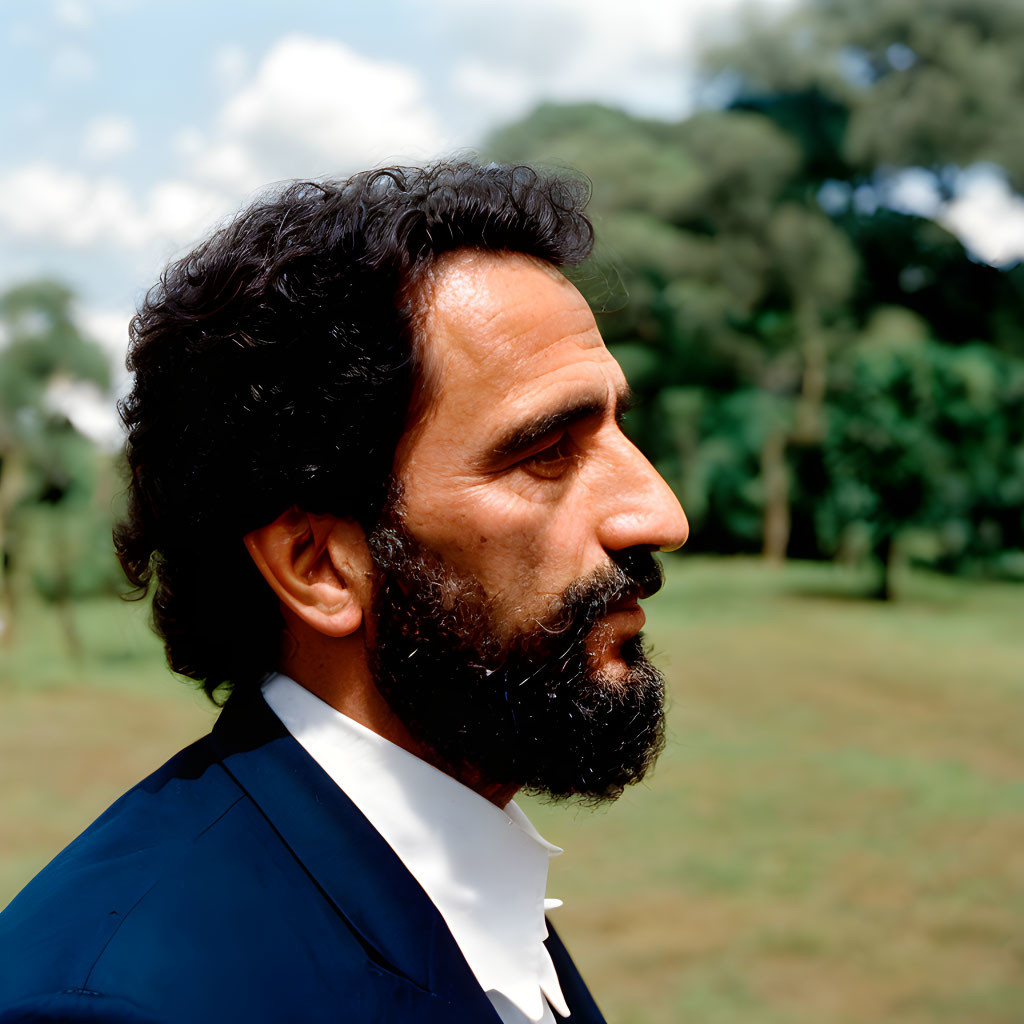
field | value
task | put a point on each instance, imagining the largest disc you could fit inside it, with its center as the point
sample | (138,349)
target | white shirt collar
(483,867)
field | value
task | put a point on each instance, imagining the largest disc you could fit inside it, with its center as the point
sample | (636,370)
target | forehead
(501,329)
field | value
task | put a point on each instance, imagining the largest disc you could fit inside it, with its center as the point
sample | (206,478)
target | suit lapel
(345,856)
(581,1003)
(355,868)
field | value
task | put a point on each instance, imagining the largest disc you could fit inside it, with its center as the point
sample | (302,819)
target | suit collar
(398,926)
(345,856)
(485,869)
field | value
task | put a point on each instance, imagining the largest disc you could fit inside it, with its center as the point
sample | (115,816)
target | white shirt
(483,867)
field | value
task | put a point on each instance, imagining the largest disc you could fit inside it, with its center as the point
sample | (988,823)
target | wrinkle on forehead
(490,318)
(482,301)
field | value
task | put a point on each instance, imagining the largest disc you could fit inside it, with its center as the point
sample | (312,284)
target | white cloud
(988,217)
(179,211)
(107,327)
(228,164)
(73,14)
(107,137)
(41,201)
(315,107)
(913,190)
(502,93)
(89,410)
(985,214)
(573,50)
(73,64)
(188,142)
(310,107)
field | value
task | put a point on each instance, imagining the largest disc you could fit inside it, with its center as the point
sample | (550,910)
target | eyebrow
(523,436)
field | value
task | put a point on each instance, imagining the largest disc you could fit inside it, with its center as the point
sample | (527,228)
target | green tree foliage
(49,523)
(926,83)
(926,436)
(734,286)
(766,275)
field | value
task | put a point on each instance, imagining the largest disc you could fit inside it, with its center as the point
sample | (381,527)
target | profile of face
(506,628)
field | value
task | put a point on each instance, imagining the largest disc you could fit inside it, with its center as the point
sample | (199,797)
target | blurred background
(810,223)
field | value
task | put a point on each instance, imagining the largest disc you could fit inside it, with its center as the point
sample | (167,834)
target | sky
(130,128)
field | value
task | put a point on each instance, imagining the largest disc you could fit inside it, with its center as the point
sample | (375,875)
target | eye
(553,461)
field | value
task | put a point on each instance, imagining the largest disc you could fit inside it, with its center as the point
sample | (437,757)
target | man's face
(519,474)
(509,571)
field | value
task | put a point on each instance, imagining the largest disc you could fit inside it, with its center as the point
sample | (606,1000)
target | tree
(761,246)
(43,459)
(733,283)
(924,436)
(922,83)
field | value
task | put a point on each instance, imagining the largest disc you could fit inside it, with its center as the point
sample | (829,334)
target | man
(379,482)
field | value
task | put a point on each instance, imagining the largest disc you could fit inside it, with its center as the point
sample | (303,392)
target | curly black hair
(275,365)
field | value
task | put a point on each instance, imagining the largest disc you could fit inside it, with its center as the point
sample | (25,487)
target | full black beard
(525,710)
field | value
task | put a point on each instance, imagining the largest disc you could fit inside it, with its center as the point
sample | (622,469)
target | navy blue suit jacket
(238,883)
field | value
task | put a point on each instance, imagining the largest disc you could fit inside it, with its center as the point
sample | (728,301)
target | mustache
(408,566)
(632,575)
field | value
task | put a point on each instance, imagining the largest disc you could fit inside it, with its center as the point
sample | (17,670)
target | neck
(337,670)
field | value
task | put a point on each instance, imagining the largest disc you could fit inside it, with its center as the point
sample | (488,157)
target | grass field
(835,832)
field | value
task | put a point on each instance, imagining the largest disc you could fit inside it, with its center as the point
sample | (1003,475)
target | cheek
(519,549)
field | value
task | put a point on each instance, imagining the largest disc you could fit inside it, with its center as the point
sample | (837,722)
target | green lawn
(835,832)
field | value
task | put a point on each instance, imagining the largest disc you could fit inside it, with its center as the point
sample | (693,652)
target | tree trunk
(11,477)
(810,411)
(885,556)
(62,583)
(808,429)
(775,485)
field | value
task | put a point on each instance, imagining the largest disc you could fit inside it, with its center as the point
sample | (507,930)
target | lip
(626,618)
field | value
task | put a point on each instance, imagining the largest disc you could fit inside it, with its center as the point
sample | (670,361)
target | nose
(638,509)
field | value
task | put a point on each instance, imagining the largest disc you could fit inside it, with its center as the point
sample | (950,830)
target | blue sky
(128,128)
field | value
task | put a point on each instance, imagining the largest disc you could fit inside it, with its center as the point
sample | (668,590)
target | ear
(318,565)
